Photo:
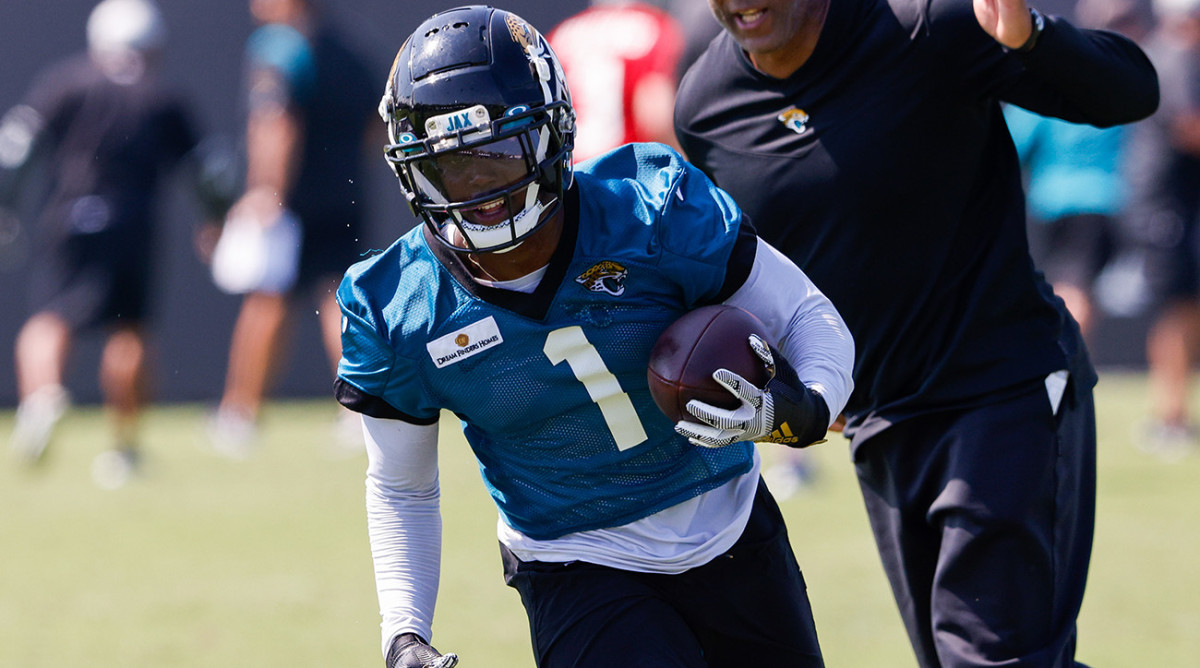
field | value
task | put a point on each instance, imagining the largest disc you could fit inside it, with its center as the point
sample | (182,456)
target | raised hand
(1007,21)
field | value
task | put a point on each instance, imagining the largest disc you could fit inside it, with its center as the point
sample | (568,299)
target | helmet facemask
(484,184)
(478,92)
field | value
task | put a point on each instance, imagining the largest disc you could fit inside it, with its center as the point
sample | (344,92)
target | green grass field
(208,562)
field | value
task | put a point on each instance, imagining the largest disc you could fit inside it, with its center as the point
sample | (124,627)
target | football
(693,347)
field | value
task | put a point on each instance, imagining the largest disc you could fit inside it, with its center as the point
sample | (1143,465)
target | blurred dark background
(192,320)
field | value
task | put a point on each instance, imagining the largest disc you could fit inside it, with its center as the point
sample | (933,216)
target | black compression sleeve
(801,414)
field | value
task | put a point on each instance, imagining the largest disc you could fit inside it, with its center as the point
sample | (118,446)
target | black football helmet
(479,89)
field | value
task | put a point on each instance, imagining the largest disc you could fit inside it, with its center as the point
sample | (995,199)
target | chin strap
(486,237)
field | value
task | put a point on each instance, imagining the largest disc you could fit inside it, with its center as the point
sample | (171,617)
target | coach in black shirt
(865,139)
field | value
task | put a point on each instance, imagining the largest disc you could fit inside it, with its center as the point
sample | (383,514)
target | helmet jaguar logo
(794,119)
(533,45)
(606,276)
(521,32)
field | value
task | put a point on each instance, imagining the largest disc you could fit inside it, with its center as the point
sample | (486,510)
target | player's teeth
(751,15)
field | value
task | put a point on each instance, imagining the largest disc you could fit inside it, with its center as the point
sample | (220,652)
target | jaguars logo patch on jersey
(794,119)
(606,276)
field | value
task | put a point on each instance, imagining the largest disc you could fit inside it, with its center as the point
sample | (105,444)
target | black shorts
(1173,262)
(94,280)
(747,607)
(984,520)
(1072,250)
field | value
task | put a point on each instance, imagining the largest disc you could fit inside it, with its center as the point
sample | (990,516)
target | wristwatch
(1039,25)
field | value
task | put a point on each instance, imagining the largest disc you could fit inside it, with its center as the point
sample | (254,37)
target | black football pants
(748,607)
(984,520)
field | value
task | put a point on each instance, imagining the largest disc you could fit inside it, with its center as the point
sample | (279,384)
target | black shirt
(330,182)
(883,168)
(333,91)
(111,142)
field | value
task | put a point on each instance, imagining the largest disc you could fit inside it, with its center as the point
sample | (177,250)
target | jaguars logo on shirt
(606,276)
(794,119)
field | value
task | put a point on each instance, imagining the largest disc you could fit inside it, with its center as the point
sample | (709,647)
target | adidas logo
(783,435)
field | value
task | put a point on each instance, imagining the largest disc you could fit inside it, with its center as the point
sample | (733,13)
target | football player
(309,96)
(99,133)
(527,304)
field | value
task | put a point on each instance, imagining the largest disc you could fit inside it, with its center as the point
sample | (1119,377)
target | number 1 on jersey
(570,345)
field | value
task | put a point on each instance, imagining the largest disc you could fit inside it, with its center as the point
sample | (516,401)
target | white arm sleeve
(404,522)
(803,323)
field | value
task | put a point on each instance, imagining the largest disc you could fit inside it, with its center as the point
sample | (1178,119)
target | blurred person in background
(1075,182)
(621,57)
(1163,171)
(311,98)
(106,130)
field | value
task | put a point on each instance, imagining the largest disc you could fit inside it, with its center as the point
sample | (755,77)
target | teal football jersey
(551,386)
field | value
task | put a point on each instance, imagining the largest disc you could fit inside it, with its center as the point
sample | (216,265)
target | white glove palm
(752,420)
